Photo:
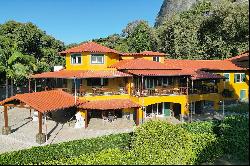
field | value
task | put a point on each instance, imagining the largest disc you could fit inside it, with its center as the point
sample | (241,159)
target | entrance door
(166,109)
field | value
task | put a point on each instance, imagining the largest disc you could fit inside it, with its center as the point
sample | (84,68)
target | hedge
(75,148)
(104,157)
(234,136)
(158,142)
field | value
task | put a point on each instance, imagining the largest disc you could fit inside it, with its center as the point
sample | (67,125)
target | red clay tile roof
(89,47)
(109,104)
(144,53)
(160,72)
(203,64)
(241,60)
(242,56)
(141,63)
(82,74)
(45,101)
(205,75)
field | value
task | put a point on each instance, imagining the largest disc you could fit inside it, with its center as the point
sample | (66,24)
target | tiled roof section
(241,60)
(89,47)
(144,53)
(141,63)
(242,56)
(82,74)
(109,104)
(45,101)
(205,75)
(160,72)
(203,64)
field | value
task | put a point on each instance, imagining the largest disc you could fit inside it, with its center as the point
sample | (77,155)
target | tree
(13,63)
(206,31)
(142,38)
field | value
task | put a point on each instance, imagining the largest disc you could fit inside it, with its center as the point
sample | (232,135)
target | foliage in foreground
(234,136)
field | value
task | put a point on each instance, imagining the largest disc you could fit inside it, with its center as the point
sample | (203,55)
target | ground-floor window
(155,109)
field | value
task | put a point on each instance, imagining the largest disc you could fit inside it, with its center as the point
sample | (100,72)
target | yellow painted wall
(232,86)
(109,59)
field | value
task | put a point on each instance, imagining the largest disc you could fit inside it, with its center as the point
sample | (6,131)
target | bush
(234,136)
(200,127)
(239,108)
(157,142)
(76,148)
(205,141)
(104,157)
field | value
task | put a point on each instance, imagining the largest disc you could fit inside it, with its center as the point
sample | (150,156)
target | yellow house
(141,86)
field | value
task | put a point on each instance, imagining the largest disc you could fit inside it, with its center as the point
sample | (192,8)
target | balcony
(167,91)
(95,91)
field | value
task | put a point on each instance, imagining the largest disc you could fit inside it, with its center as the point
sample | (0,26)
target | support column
(86,119)
(40,137)
(6,128)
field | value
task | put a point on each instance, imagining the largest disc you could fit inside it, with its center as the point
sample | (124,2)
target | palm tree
(15,65)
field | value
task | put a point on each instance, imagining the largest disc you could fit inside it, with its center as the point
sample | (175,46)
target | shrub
(104,157)
(201,127)
(157,142)
(205,141)
(39,154)
(239,108)
(234,136)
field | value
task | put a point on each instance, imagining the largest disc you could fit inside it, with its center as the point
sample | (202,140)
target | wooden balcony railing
(174,91)
(96,91)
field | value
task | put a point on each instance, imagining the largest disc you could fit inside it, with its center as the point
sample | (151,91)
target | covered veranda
(85,82)
(112,105)
(42,102)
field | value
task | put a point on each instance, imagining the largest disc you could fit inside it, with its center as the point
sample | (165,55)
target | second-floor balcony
(95,91)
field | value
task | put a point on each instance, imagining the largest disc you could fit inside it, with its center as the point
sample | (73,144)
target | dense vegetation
(26,49)
(155,142)
(205,31)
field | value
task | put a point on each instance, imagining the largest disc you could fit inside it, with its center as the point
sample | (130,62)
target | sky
(74,21)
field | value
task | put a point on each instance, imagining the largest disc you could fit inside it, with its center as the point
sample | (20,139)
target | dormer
(90,56)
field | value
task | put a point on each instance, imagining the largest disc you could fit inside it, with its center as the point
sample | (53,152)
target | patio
(24,131)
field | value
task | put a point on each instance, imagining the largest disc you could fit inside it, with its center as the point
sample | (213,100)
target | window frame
(78,55)
(97,55)
(157,58)
(241,78)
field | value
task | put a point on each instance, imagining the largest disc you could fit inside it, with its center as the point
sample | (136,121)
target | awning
(82,74)
(109,104)
(44,101)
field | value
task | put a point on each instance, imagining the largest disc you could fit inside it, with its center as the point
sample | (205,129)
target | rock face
(170,7)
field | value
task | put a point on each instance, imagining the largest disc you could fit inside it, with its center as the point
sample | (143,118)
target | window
(156,59)
(167,81)
(239,77)
(227,75)
(97,82)
(76,58)
(97,59)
